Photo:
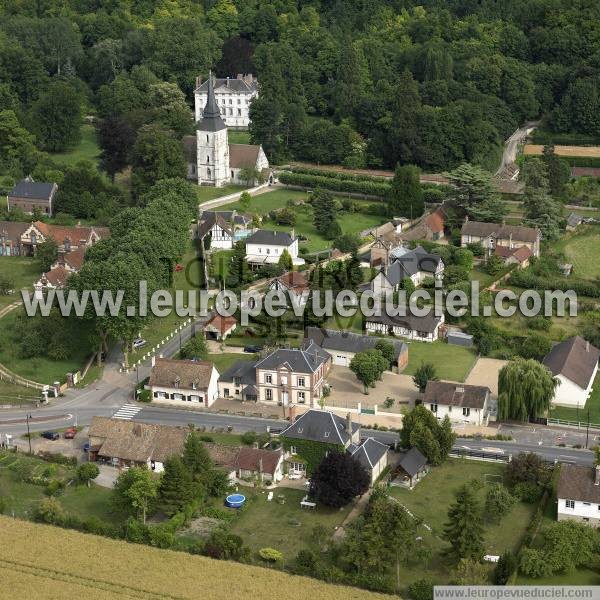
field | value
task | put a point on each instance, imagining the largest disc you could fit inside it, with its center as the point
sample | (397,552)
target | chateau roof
(244,85)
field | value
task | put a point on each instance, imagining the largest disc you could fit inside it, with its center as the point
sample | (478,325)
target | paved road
(511,146)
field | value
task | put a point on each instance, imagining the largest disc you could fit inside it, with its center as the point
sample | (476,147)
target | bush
(161,536)
(58,458)
(270,555)
(55,488)
(422,589)
(370,188)
(528,492)
(136,532)
(50,511)
(248,438)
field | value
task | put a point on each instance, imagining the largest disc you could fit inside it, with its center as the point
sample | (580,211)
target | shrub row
(527,279)
(341,175)
(370,188)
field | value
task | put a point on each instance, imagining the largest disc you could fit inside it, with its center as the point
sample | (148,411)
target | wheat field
(578,151)
(44,562)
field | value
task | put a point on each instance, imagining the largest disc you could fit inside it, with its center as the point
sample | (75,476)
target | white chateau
(211,159)
(233,97)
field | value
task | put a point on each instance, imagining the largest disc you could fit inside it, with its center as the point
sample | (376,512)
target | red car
(70,433)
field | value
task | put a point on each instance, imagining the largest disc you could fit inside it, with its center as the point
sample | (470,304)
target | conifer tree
(464,529)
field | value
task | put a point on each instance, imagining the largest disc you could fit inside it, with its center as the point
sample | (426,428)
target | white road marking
(127,412)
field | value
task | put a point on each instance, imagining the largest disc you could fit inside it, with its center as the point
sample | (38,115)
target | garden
(17,273)
(452,362)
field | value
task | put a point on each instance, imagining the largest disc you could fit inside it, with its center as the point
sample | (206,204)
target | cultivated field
(578,151)
(43,562)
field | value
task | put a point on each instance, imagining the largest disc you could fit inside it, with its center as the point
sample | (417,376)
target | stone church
(211,159)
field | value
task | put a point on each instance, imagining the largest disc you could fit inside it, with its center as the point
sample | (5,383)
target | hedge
(342,175)
(526,279)
(370,188)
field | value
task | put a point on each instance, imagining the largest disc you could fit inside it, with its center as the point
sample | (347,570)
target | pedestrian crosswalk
(127,412)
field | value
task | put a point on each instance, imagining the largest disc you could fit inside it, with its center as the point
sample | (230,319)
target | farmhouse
(265,247)
(416,265)
(223,228)
(125,443)
(30,196)
(462,403)
(233,96)
(492,235)
(344,345)
(578,494)
(574,363)
(183,381)
(514,256)
(423,329)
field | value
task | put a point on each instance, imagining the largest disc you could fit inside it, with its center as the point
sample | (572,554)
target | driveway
(347,391)
(485,372)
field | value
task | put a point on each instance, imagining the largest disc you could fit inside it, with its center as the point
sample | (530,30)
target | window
(301,397)
(208,171)
(301,382)
(268,378)
(232,175)
(466,411)
(326,434)
(226,392)
(269,394)
(207,138)
(238,100)
(570,504)
(433,408)
(177,396)
(239,112)
(208,160)
(293,449)
(268,250)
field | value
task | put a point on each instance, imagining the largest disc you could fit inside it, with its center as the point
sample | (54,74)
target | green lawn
(42,369)
(207,192)
(220,261)
(263,203)
(23,271)
(238,136)
(23,498)
(17,394)
(285,527)
(572,414)
(433,496)
(87,149)
(451,362)
(224,360)
(581,249)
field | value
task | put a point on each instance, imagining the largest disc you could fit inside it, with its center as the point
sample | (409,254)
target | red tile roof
(57,277)
(435,221)
(249,459)
(294,280)
(222,324)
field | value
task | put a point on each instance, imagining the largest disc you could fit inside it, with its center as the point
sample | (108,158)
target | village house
(223,228)
(233,96)
(343,346)
(416,265)
(429,227)
(294,283)
(411,468)
(66,264)
(265,247)
(462,403)
(124,443)
(574,363)
(372,455)
(423,329)
(247,463)
(183,381)
(219,327)
(211,159)
(239,381)
(578,494)
(491,236)
(31,196)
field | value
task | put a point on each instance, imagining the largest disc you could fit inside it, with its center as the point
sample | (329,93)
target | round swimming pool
(235,500)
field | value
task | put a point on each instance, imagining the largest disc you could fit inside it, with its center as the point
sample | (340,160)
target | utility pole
(28,432)
(587,433)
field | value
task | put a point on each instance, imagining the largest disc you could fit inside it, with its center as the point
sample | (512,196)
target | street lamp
(28,432)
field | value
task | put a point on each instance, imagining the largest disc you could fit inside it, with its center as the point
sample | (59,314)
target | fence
(480,455)
(577,424)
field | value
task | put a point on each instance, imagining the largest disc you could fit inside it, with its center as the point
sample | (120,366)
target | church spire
(211,116)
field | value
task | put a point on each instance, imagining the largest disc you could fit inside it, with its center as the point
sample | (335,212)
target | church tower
(212,144)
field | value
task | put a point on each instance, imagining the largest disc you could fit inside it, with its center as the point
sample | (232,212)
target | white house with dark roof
(372,455)
(211,159)
(574,363)
(492,235)
(462,403)
(578,494)
(183,381)
(412,327)
(223,227)
(233,96)
(265,247)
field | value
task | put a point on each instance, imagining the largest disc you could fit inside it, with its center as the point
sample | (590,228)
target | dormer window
(194,385)
(326,434)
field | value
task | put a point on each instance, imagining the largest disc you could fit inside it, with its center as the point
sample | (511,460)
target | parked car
(50,435)
(86,447)
(253,349)
(70,433)
(138,343)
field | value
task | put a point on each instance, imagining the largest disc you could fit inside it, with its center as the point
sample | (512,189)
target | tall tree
(176,486)
(425,372)
(405,198)
(325,211)
(464,529)
(525,389)
(368,367)
(142,493)
(116,138)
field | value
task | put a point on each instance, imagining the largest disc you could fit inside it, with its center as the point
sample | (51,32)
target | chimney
(198,81)
(228,82)
(293,233)
(240,76)
(597,475)
(349,424)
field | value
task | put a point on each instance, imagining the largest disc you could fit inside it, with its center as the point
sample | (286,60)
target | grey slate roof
(573,220)
(245,370)
(370,452)
(320,426)
(274,238)
(518,233)
(578,483)
(575,359)
(211,115)
(427,324)
(413,462)
(411,262)
(32,189)
(306,360)
(346,341)
(234,84)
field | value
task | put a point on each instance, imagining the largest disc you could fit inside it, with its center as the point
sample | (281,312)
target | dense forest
(363,82)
